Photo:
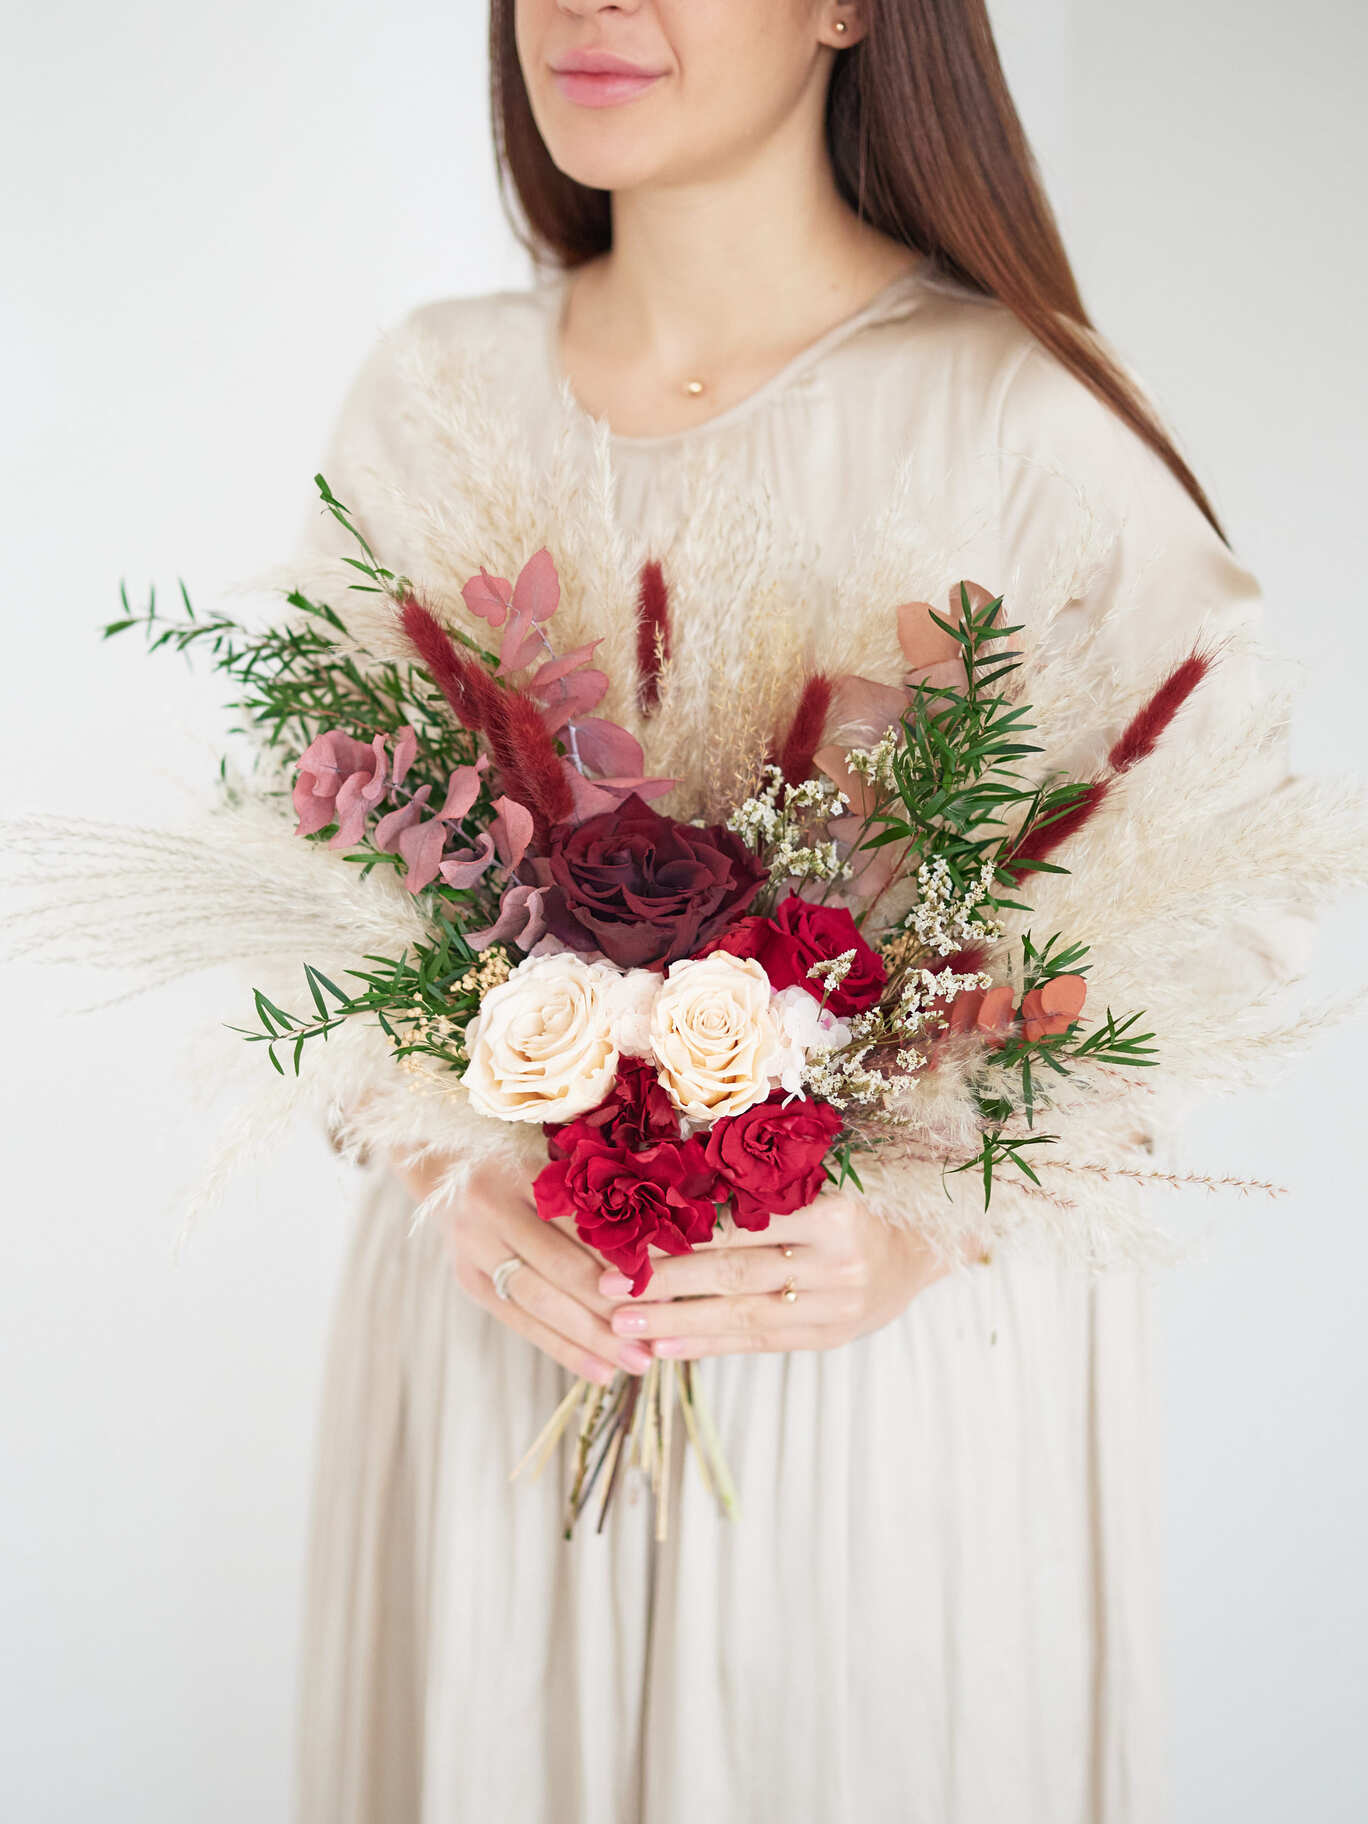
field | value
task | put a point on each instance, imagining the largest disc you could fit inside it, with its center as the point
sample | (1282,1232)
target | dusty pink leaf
(512,831)
(466,866)
(588,799)
(861,798)
(644,788)
(421,846)
(559,668)
(521,920)
(569,698)
(862,710)
(922,641)
(463,788)
(392,826)
(606,748)
(520,644)
(536,594)
(405,752)
(488,597)
(359,794)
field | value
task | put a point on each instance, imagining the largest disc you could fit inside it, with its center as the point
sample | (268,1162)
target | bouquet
(863,928)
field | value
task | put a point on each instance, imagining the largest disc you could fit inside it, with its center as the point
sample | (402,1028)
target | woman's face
(728,75)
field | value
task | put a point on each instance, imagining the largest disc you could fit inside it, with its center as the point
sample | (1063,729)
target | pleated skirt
(937,1603)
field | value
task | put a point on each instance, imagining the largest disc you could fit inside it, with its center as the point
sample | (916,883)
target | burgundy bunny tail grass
(1041,842)
(804,737)
(464,682)
(531,770)
(653,634)
(1141,734)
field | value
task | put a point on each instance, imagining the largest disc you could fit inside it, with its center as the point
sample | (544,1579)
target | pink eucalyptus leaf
(859,795)
(922,642)
(488,597)
(512,830)
(560,668)
(536,594)
(393,824)
(359,794)
(569,698)
(588,799)
(606,748)
(405,752)
(644,788)
(463,788)
(521,920)
(861,710)
(326,764)
(520,644)
(466,866)
(872,869)
(420,846)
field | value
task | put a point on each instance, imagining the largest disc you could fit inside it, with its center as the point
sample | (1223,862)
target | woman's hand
(851,1271)
(553,1298)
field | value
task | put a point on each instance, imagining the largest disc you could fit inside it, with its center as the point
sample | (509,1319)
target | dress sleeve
(365,440)
(1151,580)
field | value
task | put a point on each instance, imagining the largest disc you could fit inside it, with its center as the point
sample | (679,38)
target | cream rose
(542,1046)
(712,1035)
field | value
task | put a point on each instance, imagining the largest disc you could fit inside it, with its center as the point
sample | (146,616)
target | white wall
(208,215)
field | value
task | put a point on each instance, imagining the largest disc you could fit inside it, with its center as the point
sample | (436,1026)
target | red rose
(644,889)
(635,1114)
(801,934)
(770,1157)
(623,1202)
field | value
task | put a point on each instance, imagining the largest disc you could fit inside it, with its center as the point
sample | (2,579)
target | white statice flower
(542,1046)
(804,1028)
(713,1035)
(773,820)
(944,917)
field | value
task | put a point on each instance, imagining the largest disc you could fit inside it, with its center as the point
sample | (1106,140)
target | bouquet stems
(627,1428)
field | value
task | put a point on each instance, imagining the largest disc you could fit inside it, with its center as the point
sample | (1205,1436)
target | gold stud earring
(839,26)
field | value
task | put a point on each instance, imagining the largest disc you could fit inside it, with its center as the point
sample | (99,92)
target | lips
(599,89)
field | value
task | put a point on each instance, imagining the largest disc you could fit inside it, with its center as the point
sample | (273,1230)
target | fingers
(581,1362)
(719,1271)
(755,1322)
(538,1288)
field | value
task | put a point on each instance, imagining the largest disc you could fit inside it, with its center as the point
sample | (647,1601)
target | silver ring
(504,1272)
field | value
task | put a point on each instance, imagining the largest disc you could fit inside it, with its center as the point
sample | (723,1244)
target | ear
(844,24)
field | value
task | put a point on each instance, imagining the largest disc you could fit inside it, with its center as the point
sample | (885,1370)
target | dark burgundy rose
(644,889)
(770,1157)
(801,934)
(624,1202)
(635,1114)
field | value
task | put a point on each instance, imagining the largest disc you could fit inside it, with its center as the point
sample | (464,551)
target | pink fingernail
(636,1358)
(629,1323)
(671,1345)
(615,1285)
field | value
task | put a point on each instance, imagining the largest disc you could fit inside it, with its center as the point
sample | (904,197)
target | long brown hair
(926,145)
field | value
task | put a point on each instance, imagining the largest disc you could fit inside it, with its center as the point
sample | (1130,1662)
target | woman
(807,238)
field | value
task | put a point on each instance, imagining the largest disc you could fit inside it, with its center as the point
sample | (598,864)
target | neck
(767,253)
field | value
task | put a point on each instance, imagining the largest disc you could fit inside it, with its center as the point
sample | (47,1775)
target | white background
(209,214)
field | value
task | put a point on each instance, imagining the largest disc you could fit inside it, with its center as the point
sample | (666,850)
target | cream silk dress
(939,1602)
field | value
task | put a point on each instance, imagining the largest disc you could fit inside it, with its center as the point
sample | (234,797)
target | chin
(601,158)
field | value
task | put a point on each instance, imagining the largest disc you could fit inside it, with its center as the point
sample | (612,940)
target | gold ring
(789,1292)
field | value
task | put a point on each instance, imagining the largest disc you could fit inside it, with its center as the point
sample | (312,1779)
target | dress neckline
(550,294)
